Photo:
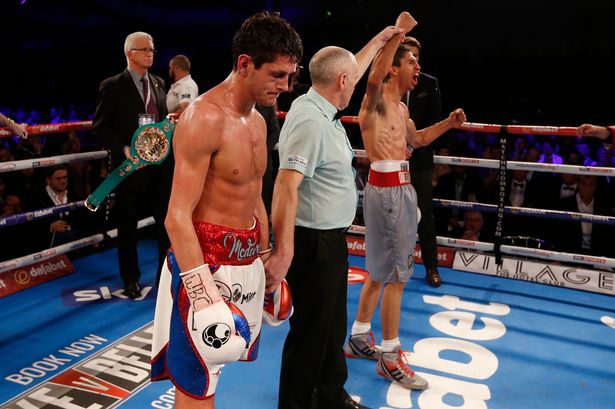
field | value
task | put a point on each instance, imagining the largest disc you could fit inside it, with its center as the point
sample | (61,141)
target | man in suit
(123,101)
(582,237)
(58,229)
(425,107)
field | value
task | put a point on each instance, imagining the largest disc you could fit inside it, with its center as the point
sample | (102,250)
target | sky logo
(74,297)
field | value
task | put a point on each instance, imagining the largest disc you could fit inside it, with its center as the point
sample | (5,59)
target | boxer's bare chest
(242,157)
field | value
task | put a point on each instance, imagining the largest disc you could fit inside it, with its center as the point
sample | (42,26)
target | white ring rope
(514,165)
(527,211)
(529,166)
(64,248)
(51,161)
(514,250)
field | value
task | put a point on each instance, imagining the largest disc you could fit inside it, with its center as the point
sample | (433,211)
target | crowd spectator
(11,237)
(472,228)
(55,230)
(583,237)
(462,184)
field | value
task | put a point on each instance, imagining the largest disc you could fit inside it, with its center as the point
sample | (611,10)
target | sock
(360,328)
(390,345)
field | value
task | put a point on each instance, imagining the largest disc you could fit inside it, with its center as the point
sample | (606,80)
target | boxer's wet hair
(264,37)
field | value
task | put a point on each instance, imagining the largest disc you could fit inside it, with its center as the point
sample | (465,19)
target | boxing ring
(538,331)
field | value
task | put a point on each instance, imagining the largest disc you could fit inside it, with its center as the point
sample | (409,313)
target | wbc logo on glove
(278,305)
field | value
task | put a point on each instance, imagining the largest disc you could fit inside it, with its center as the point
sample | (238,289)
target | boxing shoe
(394,367)
(433,277)
(362,346)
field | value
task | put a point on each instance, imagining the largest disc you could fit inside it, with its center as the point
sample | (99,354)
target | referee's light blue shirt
(314,143)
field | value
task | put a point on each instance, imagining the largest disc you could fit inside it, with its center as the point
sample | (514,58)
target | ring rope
(490,128)
(50,161)
(513,165)
(64,248)
(529,166)
(44,129)
(527,211)
(43,213)
(346,119)
(512,250)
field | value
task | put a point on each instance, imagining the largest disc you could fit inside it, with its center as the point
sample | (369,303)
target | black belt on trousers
(339,230)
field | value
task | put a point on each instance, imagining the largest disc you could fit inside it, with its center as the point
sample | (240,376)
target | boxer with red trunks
(210,298)
(232,257)
(389,204)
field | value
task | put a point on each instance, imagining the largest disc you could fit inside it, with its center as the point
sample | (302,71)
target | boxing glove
(218,329)
(278,305)
(220,332)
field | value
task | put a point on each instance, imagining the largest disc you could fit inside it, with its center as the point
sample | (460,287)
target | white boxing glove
(220,332)
(278,306)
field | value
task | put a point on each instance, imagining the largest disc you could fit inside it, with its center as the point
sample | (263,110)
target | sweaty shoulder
(201,122)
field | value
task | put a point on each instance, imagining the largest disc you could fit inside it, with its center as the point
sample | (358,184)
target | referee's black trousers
(314,368)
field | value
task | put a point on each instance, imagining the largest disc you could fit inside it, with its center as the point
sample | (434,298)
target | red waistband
(389,179)
(223,245)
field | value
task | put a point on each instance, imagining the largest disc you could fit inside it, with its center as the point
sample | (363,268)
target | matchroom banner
(596,281)
(18,279)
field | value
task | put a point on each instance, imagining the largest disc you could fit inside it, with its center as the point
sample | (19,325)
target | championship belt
(151,144)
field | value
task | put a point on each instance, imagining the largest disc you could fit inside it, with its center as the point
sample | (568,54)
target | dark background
(528,62)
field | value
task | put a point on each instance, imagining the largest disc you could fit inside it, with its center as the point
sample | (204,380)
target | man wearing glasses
(126,101)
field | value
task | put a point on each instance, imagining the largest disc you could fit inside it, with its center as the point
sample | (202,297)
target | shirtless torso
(220,158)
(384,130)
(386,127)
(221,154)
(384,120)
(236,146)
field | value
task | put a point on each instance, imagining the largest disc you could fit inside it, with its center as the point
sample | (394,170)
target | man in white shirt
(184,90)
